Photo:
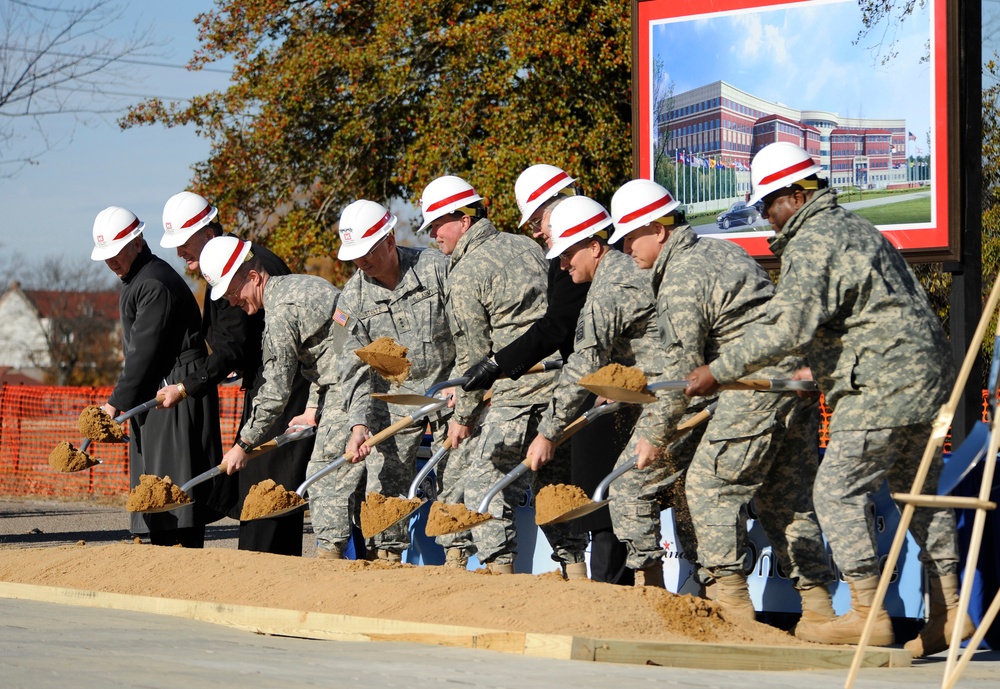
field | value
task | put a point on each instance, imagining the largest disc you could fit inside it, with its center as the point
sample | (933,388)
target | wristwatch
(244,445)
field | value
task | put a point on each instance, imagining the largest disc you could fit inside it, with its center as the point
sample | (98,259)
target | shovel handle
(145,406)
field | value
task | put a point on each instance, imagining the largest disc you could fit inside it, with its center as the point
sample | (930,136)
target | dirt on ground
(545,604)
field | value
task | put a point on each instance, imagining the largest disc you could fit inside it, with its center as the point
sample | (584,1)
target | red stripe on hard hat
(377,226)
(659,203)
(124,233)
(548,185)
(451,199)
(232,259)
(577,229)
(775,176)
(192,221)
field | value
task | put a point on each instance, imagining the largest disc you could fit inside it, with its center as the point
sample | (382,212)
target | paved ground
(45,646)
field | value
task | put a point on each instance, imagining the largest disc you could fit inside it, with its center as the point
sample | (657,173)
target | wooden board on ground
(316,625)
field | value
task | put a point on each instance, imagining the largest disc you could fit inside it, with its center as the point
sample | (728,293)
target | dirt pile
(618,376)
(67,458)
(387,358)
(378,512)
(553,501)
(445,518)
(266,498)
(154,493)
(545,604)
(94,423)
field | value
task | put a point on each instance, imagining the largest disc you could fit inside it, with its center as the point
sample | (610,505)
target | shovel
(525,466)
(418,400)
(436,405)
(598,500)
(621,394)
(90,462)
(287,437)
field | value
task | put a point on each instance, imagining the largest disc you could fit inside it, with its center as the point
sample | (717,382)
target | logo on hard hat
(346,234)
(209,279)
(100,238)
(168,226)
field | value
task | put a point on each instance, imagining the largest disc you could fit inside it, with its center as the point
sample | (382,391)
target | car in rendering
(738,214)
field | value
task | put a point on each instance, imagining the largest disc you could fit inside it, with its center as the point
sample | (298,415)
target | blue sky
(803,57)
(49,208)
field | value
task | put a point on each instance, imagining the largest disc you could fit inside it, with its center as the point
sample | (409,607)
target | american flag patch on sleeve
(340,318)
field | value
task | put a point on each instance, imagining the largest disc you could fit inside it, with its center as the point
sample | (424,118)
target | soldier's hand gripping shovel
(417,400)
(436,405)
(632,396)
(598,500)
(99,428)
(297,433)
(515,473)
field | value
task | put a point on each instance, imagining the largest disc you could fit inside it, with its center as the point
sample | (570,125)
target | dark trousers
(187,537)
(608,556)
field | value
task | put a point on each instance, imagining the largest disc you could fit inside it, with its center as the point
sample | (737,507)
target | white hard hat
(638,203)
(574,220)
(445,195)
(220,258)
(114,227)
(536,184)
(183,215)
(362,224)
(779,165)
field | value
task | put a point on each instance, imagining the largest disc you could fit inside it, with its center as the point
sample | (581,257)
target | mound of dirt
(556,500)
(94,423)
(266,498)
(154,493)
(64,457)
(445,518)
(618,376)
(387,358)
(379,512)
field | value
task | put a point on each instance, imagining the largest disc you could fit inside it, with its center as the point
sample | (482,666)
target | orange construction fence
(34,419)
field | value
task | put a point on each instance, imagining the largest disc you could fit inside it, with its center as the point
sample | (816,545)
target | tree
(56,61)
(335,101)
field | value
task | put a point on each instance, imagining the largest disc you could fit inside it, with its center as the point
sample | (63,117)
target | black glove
(482,375)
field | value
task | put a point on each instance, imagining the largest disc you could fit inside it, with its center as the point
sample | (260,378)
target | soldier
(538,190)
(758,445)
(298,336)
(495,292)
(848,299)
(397,292)
(616,325)
(234,343)
(161,342)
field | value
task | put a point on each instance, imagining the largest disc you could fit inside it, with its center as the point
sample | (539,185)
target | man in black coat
(595,448)
(162,343)
(234,341)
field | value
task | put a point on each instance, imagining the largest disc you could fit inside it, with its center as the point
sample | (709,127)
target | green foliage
(334,101)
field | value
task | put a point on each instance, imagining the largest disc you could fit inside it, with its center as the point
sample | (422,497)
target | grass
(911,211)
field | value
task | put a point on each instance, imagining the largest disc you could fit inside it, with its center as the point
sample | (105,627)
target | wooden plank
(740,657)
(327,626)
(953,501)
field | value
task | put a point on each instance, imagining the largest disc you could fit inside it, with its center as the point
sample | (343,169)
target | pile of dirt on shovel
(446,518)
(64,457)
(618,376)
(554,501)
(266,498)
(94,423)
(154,492)
(545,603)
(388,358)
(379,512)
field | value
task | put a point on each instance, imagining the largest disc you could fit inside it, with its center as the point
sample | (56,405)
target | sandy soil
(517,602)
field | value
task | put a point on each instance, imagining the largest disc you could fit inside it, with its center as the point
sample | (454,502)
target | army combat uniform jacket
(849,301)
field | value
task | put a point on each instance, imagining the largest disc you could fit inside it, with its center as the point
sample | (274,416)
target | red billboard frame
(938,240)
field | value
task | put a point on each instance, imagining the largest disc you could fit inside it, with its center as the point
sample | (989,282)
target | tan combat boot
(817,608)
(943,614)
(500,567)
(650,575)
(455,558)
(389,556)
(576,570)
(734,596)
(329,554)
(847,628)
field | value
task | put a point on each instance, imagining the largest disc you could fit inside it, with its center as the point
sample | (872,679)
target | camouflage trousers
(388,470)
(502,444)
(639,495)
(853,468)
(331,440)
(759,446)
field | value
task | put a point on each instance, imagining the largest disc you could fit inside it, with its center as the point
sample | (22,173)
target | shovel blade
(164,508)
(576,513)
(618,394)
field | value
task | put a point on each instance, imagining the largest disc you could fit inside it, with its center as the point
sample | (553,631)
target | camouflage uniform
(412,314)
(496,290)
(758,445)
(848,300)
(298,335)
